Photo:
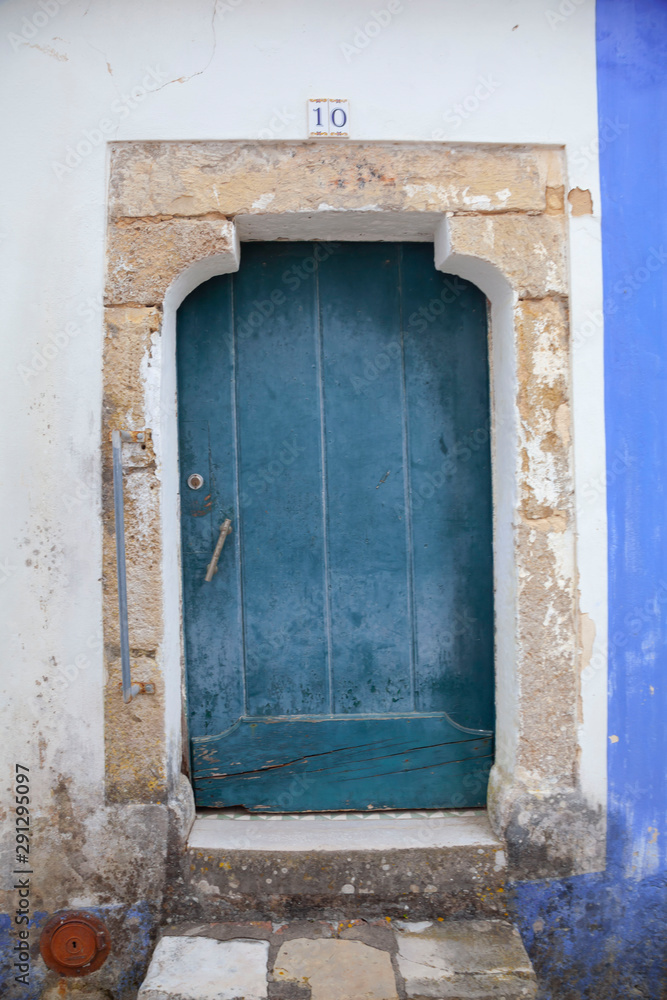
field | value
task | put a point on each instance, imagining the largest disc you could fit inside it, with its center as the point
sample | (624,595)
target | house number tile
(328,118)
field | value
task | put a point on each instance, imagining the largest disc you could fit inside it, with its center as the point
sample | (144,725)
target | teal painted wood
(212,611)
(278,417)
(447,390)
(335,399)
(365,482)
(345,762)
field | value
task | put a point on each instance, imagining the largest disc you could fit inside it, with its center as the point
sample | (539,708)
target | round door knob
(195,481)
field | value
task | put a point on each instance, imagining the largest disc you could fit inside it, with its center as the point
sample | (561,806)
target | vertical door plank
(213,644)
(368,558)
(281,520)
(450,470)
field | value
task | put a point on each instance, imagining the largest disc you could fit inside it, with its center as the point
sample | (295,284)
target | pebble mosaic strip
(243,815)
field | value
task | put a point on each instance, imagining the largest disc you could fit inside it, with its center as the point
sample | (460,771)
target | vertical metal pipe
(116,442)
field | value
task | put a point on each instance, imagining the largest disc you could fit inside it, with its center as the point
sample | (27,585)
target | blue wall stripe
(632,88)
(605,935)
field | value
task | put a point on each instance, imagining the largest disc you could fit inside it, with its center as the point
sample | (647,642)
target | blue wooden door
(334,400)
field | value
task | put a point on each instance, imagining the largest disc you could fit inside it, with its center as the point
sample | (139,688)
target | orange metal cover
(74,943)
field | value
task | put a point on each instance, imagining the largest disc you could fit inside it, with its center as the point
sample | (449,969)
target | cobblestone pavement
(351,960)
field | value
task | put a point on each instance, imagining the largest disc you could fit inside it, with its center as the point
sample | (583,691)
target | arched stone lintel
(452,254)
(203,268)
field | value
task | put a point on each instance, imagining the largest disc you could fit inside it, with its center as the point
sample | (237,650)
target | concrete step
(410,866)
(349,960)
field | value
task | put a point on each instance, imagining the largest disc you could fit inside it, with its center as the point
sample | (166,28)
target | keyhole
(195,481)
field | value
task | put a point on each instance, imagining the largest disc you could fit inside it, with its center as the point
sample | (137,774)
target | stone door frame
(177,215)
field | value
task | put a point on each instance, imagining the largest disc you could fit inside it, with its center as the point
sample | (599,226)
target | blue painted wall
(606,935)
(132,930)
(632,61)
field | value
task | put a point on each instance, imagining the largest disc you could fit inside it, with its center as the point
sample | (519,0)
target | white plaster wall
(229,70)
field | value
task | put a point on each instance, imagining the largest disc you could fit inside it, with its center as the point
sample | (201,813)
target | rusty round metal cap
(74,943)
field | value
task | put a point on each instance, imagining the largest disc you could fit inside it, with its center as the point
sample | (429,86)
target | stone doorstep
(343,831)
(404,868)
(350,960)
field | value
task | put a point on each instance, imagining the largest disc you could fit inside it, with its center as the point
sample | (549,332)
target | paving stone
(337,970)
(377,935)
(200,968)
(464,959)
(305,929)
(223,931)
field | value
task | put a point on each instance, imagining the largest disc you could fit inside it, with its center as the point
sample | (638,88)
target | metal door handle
(212,568)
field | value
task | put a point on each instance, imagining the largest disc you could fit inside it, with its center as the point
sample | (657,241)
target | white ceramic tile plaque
(329,117)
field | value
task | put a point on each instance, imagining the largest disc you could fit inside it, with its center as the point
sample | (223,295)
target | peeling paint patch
(587,632)
(581,202)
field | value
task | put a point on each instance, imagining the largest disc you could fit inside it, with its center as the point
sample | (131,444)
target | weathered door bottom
(305,763)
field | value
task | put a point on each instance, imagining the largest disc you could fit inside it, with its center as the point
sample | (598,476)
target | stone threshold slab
(342,831)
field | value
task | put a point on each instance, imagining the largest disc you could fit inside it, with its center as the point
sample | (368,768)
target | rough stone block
(529,250)
(475,959)
(465,878)
(130,334)
(199,968)
(145,256)
(239,178)
(336,970)
(543,401)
